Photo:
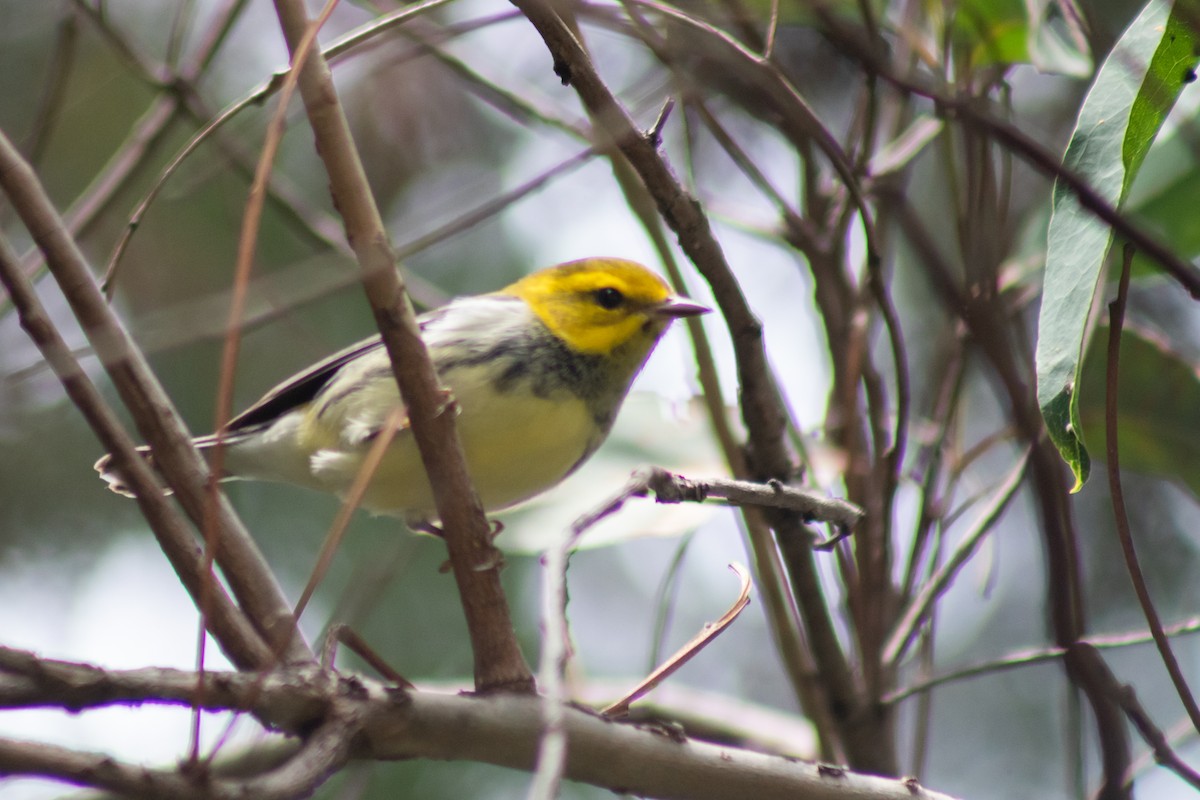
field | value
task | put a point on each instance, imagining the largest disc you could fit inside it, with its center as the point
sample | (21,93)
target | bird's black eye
(609,298)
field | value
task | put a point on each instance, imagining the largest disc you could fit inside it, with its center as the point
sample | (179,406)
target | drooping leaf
(1131,96)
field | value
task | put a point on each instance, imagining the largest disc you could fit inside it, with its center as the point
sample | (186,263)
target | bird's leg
(426,526)
(497,527)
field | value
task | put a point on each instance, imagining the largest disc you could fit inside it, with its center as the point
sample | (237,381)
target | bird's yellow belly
(516,446)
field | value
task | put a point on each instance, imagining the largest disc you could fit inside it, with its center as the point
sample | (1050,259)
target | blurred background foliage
(78,573)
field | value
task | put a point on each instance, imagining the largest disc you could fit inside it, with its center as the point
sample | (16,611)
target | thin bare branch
(772,29)
(917,611)
(344,634)
(1116,321)
(556,652)
(247,245)
(158,422)
(354,495)
(212,40)
(689,651)
(51,101)
(236,636)
(1037,655)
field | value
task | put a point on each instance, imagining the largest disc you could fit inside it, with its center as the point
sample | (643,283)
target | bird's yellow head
(597,305)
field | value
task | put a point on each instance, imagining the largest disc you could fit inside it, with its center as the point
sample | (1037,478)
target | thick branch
(503,730)
(385,723)
(323,752)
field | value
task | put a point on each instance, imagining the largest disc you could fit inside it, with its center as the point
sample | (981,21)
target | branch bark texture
(499,663)
(352,717)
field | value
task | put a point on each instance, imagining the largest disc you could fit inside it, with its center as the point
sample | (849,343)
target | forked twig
(1085,656)
(345,635)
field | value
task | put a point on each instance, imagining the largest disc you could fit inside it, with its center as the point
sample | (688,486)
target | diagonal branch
(688,651)
(157,420)
(499,663)
(236,636)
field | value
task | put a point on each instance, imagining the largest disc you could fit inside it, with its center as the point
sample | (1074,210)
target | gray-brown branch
(353,717)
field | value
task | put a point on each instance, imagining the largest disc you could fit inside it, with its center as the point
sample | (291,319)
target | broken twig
(689,650)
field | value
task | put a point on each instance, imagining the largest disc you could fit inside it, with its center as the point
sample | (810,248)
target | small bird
(537,370)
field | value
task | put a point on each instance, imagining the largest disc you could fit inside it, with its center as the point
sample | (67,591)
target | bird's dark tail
(116,481)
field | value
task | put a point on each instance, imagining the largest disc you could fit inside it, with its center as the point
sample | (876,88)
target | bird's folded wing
(300,388)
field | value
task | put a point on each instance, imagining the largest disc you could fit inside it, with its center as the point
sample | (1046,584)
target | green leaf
(1171,214)
(1158,407)
(1132,94)
(990,32)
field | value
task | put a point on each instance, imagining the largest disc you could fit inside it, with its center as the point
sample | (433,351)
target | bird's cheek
(654,327)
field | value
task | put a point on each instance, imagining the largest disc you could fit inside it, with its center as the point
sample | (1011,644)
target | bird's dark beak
(674,307)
